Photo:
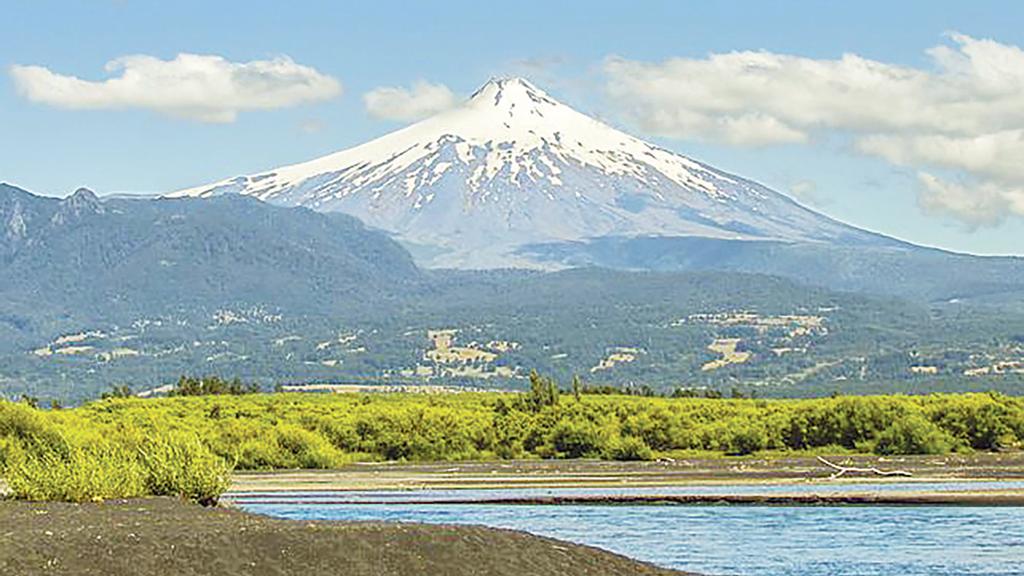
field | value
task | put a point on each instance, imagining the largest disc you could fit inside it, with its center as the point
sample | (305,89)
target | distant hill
(903,270)
(139,291)
(79,260)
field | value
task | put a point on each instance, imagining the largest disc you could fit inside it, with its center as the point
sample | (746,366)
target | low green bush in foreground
(120,447)
(47,456)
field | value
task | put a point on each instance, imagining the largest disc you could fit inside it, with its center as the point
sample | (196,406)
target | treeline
(191,386)
(185,444)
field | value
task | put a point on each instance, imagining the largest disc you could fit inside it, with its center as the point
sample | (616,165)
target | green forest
(187,444)
(796,341)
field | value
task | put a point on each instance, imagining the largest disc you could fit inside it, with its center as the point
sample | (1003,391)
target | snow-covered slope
(512,166)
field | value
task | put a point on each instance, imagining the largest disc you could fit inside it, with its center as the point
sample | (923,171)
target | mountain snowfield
(513,167)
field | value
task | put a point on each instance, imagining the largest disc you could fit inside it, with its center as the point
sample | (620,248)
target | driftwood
(840,470)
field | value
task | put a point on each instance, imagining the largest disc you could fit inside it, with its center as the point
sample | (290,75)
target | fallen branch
(840,470)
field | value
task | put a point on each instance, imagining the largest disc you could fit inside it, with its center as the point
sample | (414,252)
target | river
(710,539)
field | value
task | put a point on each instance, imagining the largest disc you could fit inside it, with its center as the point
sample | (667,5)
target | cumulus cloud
(963,114)
(997,155)
(806,191)
(408,104)
(975,204)
(207,88)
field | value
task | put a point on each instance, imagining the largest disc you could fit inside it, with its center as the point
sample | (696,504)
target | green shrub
(659,429)
(6,446)
(577,439)
(307,449)
(20,422)
(747,440)
(258,454)
(981,421)
(630,448)
(178,464)
(913,434)
(46,457)
(99,470)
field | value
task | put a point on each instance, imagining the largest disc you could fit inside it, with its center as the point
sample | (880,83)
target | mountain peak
(511,101)
(512,166)
(83,195)
(507,81)
(509,91)
(10,191)
(82,202)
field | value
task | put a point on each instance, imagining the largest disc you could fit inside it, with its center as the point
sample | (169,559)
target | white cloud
(974,204)
(964,114)
(806,191)
(202,87)
(405,104)
(996,155)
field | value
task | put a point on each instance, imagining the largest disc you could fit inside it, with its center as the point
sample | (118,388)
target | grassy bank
(185,445)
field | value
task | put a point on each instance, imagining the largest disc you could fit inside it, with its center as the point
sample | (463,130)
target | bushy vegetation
(180,445)
(61,456)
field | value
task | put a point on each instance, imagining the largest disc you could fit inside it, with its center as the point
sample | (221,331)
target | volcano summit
(513,167)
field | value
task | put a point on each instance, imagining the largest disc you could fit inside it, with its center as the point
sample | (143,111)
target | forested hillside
(138,292)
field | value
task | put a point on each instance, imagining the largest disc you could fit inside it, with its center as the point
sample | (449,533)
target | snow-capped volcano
(511,167)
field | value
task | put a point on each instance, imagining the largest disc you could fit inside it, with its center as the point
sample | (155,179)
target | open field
(160,537)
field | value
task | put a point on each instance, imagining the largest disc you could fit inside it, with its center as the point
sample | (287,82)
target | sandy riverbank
(160,537)
(603,474)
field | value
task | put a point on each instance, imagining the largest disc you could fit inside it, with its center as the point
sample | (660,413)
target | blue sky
(564,47)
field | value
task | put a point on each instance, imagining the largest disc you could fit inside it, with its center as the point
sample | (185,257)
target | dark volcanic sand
(165,537)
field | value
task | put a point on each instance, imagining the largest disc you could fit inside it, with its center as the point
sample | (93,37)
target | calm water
(741,540)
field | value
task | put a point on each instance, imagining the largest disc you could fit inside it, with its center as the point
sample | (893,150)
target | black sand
(165,537)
